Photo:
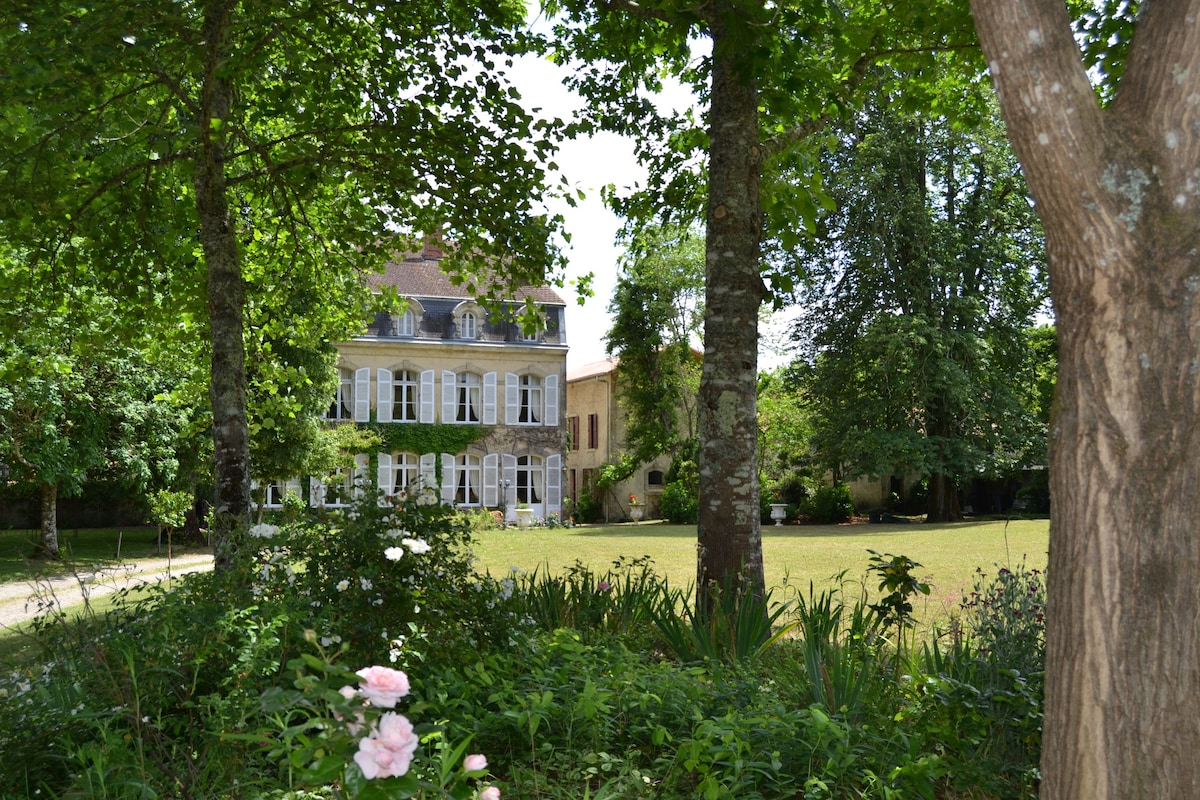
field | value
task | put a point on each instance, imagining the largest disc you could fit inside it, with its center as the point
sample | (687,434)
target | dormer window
(468,326)
(405,324)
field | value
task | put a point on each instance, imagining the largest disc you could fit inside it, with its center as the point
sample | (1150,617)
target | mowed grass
(949,554)
(82,549)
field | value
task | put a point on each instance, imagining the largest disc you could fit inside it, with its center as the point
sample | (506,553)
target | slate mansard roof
(419,277)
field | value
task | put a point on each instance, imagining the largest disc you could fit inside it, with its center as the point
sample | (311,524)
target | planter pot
(636,511)
(778,513)
(524,518)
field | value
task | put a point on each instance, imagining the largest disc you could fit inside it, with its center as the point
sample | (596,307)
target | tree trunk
(226,300)
(48,541)
(942,503)
(1117,192)
(729,533)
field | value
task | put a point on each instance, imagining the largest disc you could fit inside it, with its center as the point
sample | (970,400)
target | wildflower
(342,585)
(394,553)
(394,533)
(388,750)
(383,686)
(365,583)
(475,763)
(264,531)
(603,586)
(416,546)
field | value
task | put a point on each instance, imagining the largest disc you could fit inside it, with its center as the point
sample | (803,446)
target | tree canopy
(657,309)
(922,281)
(186,150)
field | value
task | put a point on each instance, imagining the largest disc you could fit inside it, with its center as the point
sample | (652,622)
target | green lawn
(949,554)
(81,549)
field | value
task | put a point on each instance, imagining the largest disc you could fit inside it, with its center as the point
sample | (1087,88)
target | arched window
(404,396)
(468,326)
(530,400)
(405,324)
(530,479)
(468,479)
(342,406)
(469,398)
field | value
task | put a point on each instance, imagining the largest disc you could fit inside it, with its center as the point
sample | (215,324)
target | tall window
(470,397)
(404,396)
(405,324)
(529,479)
(573,433)
(468,327)
(531,399)
(593,431)
(405,471)
(468,479)
(342,406)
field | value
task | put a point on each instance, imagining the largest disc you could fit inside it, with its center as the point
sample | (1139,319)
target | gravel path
(21,601)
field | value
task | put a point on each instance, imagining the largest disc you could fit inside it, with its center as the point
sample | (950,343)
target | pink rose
(475,763)
(490,793)
(383,686)
(388,750)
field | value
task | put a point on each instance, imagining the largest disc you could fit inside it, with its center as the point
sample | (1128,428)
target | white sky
(589,165)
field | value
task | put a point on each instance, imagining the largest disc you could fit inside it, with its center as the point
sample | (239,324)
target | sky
(590,164)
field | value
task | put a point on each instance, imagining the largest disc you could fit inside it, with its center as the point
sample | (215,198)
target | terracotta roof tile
(420,275)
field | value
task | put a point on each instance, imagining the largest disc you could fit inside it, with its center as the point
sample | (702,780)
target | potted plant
(524,516)
(637,509)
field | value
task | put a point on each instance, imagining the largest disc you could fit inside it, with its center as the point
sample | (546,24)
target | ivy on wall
(420,438)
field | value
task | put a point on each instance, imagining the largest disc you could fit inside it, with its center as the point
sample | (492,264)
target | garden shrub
(679,504)
(829,504)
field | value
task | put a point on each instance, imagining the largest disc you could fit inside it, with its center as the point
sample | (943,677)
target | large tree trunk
(48,540)
(226,300)
(941,504)
(729,534)
(1118,194)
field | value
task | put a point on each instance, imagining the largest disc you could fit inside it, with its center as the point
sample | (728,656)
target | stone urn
(778,513)
(524,518)
(636,511)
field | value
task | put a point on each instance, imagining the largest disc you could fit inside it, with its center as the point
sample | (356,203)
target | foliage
(330,728)
(657,309)
(898,585)
(829,504)
(784,429)
(424,438)
(184,693)
(923,284)
(678,504)
(169,509)
(303,160)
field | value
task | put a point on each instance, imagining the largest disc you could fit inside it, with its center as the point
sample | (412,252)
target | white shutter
(384,481)
(489,398)
(509,464)
(386,392)
(427,400)
(512,399)
(554,484)
(550,390)
(448,386)
(428,470)
(360,474)
(491,480)
(362,395)
(447,478)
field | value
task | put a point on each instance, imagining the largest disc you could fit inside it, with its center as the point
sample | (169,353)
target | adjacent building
(596,425)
